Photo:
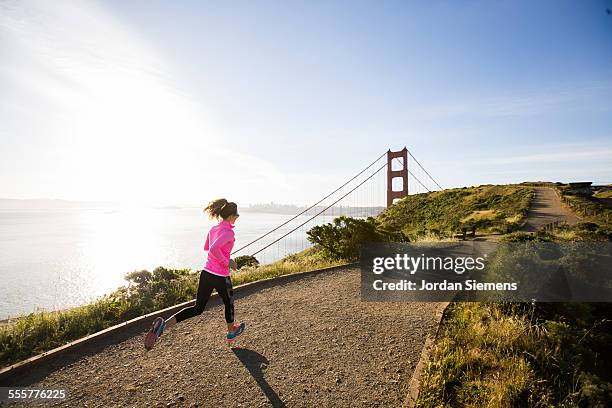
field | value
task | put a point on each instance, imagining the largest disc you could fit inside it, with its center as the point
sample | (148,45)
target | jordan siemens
(469,284)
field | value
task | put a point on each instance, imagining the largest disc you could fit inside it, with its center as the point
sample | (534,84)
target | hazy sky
(175,102)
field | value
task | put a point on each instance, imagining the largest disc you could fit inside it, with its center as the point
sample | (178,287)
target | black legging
(208,282)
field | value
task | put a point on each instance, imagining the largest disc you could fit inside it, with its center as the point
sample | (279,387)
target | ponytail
(221,208)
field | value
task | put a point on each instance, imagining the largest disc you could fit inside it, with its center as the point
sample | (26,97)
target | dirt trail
(547,207)
(308,343)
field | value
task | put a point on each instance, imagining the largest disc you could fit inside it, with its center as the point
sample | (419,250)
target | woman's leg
(205,288)
(159,325)
(226,292)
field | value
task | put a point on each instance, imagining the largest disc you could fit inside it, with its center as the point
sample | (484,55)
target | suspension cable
(417,179)
(414,158)
(312,206)
(322,211)
(412,174)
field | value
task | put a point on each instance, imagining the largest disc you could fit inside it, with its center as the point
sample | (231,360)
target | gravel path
(547,207)
(308,343)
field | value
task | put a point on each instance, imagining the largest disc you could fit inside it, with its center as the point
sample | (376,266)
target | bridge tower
(391,174)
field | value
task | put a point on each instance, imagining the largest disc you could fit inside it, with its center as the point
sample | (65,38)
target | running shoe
(157,328)
(238,330)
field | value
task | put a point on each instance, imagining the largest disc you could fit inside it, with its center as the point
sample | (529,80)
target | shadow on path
(253,362)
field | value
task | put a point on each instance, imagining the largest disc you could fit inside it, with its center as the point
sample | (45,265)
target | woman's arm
(215,247)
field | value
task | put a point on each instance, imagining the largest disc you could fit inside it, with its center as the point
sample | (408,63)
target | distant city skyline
(165,103)
(43,203)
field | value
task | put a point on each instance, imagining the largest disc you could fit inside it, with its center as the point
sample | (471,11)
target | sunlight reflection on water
(54,259)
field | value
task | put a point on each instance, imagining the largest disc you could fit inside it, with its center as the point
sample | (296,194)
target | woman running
(216,274)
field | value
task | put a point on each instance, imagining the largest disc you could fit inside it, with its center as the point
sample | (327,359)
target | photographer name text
(424,285)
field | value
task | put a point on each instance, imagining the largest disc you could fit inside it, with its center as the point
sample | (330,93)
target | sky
(258,101)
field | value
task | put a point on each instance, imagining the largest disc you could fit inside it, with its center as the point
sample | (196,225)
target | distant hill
(491,208)
(292,209)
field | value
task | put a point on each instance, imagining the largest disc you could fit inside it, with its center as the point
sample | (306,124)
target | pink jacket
(219,244)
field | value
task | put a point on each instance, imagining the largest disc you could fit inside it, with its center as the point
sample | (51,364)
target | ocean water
(58,258)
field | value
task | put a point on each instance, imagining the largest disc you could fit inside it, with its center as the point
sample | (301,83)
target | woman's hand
(233,264)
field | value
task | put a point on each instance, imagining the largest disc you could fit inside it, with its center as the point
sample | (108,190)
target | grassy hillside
(490,208)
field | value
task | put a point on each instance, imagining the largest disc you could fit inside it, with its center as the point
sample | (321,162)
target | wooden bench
(465,229)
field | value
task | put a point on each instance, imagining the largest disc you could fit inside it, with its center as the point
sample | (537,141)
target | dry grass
(505,355)
(481,215)
(307,260)
(566,235)
(479,361)
(604,194)
(514,219)
(431,237)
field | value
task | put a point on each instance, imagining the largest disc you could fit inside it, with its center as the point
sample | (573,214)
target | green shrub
(139,277)
(344,237)
(246,260)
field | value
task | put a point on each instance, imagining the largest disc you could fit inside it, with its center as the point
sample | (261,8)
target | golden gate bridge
(377,186)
